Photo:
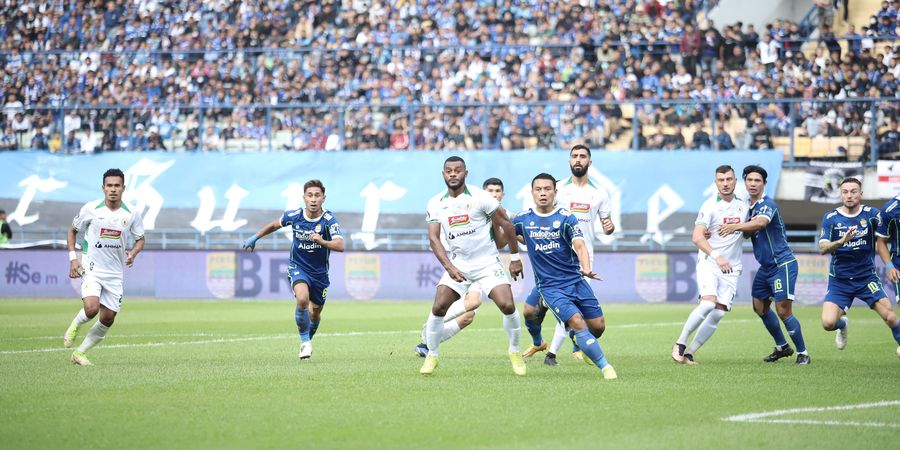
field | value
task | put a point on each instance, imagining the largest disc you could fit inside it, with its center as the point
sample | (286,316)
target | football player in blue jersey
(559,258)
(853,233)
(891,215)
(777,274)
(316,234)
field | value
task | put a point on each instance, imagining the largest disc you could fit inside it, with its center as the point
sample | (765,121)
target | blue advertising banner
(655,185)
(628,277)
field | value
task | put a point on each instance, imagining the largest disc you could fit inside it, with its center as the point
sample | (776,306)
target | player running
(106,224)
(559,258)
(587,202)
(316,234)
(718,264)
(852,233)
(465,215)
(777,273)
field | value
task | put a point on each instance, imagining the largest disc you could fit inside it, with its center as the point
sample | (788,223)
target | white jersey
(104,236)
(586,203)
(714,213)
(466,224)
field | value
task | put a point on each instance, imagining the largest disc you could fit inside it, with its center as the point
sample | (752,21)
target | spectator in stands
(8,140)
(814,124)
(39,141)
(723,139)
(700,139)
(889,141)
(154,140)
(762,138)
(71,144)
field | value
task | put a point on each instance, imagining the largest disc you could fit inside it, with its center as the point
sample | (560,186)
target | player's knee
(576,323)
(760,308)
(891,319)
(829,324)
(784,310)
(439,310)
(91,311)
(473,303)
(107,321)
(529,312)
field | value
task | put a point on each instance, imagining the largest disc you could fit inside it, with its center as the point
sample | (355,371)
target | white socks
(707,328)
(450,329)
(693,321)
(94,336)
(559,336)
(513,326)
(455,310)
(434,328)
(80,319)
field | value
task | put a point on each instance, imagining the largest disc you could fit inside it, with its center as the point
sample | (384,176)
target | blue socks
(301,316)
(896,331)
(770,320)
(534,329)
(313,326)
(792,325)
(591,347)
(841,323)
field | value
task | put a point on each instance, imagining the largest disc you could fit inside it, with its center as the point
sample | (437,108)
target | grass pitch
(204,374)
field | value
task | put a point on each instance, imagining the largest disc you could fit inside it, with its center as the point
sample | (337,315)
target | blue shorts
(842,291)
(533,298)
(775,283)
(567,301)
(317,289)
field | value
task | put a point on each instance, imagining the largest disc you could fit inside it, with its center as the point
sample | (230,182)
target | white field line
(768,416)
(284,336)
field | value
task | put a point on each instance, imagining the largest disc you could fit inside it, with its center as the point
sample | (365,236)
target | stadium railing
(388,240)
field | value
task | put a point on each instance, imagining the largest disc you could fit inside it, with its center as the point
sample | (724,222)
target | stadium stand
(88,76)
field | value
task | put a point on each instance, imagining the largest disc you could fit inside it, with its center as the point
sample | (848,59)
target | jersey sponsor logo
(108,233)
(579,207)
(458,221)
(731,220)
(452,235)
(107,245)
(547,247)
(544,234)
(334,229)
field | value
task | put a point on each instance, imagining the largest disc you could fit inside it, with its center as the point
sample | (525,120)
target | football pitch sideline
(225,374)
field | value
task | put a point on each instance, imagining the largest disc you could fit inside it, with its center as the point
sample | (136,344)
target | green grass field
(196,374)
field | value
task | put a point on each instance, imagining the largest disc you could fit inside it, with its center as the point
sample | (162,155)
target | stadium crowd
(209,75)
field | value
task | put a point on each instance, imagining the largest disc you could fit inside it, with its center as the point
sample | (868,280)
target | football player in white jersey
(106,225)
(587,202)
(462,312)
(718,264)
(465,215)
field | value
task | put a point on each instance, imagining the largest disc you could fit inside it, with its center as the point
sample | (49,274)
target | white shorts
(713,283)
(109,289)
(487,278)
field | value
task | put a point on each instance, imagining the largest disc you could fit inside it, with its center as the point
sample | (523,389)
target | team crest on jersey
(731,220)
(579,207)
(556,224)
(318,228)
(863,223)
(107,233)
(458,221)
(124,222)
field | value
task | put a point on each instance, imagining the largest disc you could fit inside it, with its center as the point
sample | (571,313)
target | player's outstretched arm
(584,260)
(434,239)
(826,246)
(263,232)
(130,255)
(515,264)
(699,239)
(75,269)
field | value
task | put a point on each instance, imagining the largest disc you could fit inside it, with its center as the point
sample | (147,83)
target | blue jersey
(770,246)
(549,239)
(891,215)
(855,258)
(309,256)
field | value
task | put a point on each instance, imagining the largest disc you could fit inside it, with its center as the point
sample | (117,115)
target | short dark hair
(581,147)
(312,184)
(493,181)
(724,168)
(851,180)
(543,176)
(2,211)
(455,158)
(756,169)
(114,173)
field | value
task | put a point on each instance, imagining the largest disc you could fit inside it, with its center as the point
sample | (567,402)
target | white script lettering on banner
(374,196)
(32,185)
(140,192)
(204,222)
(656,215)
